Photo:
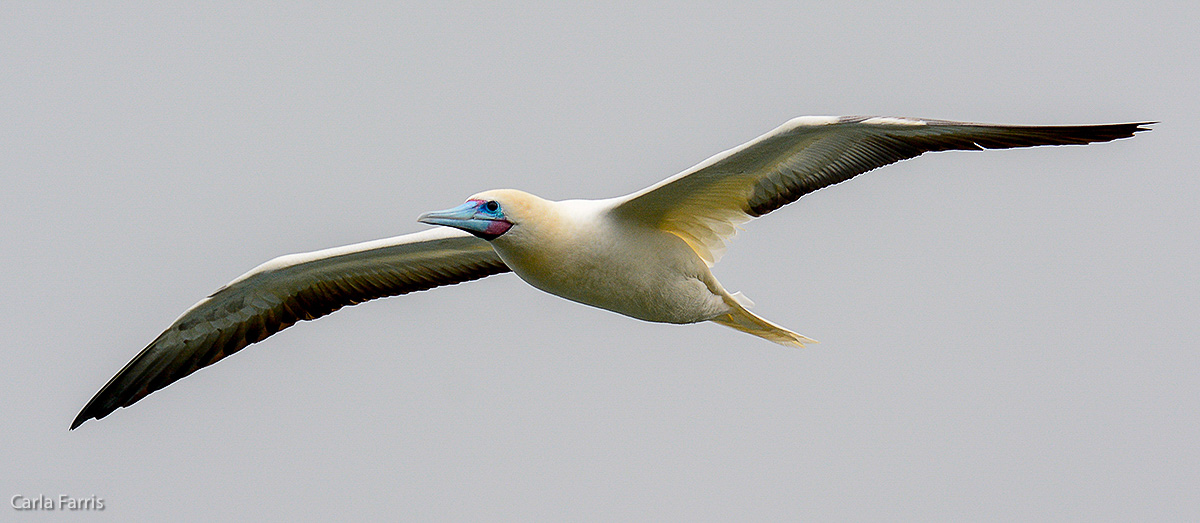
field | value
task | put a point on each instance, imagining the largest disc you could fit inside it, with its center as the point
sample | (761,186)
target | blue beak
(456,217)
(470,217)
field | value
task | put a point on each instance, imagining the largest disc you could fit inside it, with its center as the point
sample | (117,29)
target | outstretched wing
(288,289)
(704,204)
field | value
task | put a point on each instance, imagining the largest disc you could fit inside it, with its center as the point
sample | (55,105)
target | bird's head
(488,215)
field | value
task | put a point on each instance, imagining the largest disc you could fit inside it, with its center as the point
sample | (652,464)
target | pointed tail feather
(741,319)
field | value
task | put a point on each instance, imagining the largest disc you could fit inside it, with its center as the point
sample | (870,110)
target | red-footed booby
(646,255)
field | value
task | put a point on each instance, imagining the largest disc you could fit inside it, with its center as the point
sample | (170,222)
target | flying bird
(646,255)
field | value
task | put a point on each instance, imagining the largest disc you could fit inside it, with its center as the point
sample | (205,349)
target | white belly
(647,274)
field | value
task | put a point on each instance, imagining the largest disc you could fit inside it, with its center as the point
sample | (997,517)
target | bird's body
(588,256)
(646,255)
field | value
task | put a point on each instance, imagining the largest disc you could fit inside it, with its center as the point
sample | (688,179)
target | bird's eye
(491,206)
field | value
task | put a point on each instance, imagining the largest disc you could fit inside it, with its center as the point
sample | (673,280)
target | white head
(496,213)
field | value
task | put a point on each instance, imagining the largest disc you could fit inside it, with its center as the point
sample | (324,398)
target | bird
(647,255)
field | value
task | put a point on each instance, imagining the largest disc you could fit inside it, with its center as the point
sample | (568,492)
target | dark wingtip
(1134,127)
(96,408)
(90,411)
(1119,130)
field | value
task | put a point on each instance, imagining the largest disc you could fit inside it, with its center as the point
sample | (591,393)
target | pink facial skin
(497,227)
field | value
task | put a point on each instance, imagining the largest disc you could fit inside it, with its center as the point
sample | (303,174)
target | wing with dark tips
(288,289)
(704,203)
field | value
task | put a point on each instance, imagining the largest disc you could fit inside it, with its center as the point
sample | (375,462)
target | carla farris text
(62,502)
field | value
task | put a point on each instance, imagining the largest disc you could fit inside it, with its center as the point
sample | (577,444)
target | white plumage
(646,255)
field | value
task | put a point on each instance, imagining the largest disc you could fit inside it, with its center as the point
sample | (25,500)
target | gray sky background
(1005,335)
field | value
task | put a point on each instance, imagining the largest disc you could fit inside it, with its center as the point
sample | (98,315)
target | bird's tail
(742,319)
